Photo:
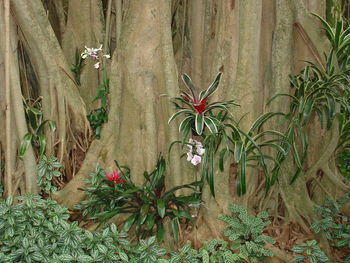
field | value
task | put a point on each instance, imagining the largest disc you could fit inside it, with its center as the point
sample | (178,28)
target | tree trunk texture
(85,27)
(18,125)
(257,44)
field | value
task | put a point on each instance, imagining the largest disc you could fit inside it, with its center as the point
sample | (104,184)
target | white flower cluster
(195,152)
(93,52)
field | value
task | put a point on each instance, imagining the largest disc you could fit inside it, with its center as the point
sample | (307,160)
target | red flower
(114,177)
(198,105)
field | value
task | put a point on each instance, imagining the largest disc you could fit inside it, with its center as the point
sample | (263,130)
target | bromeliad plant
(147,205)
(197,111)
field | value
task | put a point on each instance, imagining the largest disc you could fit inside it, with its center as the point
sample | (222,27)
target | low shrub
(37,230)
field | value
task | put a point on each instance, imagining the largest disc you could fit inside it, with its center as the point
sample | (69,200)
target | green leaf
(213,86)
(42,144)
(161,208)
(143,213)
(222,159)
(238,151)
(262,119)
(211,125)
(188,82)
(326,26)
(185,123)
(181,213)
(149,222)
(160,231)
(129,222)
(281,95)
(241,178)
(175,229)
(199,123)
(51,124)
(211,175)
(205,256)
(25,144)
(176,114)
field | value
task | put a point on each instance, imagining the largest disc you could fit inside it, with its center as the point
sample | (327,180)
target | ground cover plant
(36,230)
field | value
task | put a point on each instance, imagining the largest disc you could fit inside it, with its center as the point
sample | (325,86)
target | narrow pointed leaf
(25,144)
(199,123)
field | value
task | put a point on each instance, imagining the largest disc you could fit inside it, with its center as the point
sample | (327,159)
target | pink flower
(196,159)
(114,177)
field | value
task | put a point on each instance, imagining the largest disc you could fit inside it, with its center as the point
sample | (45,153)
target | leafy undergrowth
(36,230)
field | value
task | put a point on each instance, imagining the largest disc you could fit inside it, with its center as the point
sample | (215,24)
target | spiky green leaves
(197,111)
(147,205)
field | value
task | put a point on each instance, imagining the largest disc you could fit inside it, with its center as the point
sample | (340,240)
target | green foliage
(102,90)
(343,161)
(47,169)
(247,150)
(225,134)
(333,11)
(339,37)
(96,119)
(246,241)
(148,251)
(147,205)
(36,230)
(185,254)
(309,251)
(333,223)
(219,251)
(246,233)
(36,125)
(343,149)
(77,66)
(99,116)
(197,112)
(321,91)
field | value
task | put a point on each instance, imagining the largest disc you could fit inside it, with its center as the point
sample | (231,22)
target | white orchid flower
(84,55)
(97,65)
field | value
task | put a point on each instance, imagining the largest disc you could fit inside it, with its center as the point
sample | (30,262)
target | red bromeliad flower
(114,177)
(198,105)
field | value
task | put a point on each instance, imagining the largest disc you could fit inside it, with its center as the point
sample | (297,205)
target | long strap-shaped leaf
(199,123)
(188,82)
(213,87)
(176,114)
